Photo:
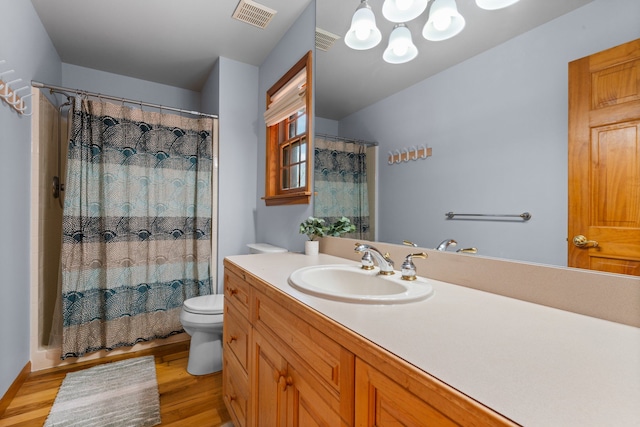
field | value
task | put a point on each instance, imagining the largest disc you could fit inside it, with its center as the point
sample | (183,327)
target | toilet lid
(205,304)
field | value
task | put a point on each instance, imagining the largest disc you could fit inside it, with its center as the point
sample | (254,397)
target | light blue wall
(91,80)
(278,225)
(238,156)
(28,50)
(497,124)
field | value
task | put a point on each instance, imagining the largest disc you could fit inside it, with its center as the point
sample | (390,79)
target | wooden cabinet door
(380,402)
(305,406)
(269,391)
(604,161)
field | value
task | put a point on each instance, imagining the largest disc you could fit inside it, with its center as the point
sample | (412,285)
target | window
(288,171)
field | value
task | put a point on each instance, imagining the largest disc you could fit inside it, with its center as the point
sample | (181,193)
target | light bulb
(362,32)
(441,21)
(400,49)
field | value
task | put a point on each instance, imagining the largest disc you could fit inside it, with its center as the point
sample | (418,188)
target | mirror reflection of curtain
(340,180)
(137,225)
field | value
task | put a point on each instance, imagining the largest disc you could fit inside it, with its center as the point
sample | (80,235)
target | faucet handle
(409,268)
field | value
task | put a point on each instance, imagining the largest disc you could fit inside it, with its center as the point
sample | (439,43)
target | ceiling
(178,42)
(174,42)
(348,80)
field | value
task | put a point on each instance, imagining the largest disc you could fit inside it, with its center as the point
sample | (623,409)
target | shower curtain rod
(65,90)
(351,140)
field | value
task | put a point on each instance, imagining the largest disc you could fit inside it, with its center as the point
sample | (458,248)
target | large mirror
(490,102)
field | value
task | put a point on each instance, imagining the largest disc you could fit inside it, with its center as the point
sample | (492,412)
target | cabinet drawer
(236,336)
(326,360)
(235,389)
(237,291)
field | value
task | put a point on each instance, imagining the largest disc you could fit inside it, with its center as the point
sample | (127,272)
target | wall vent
(325,39)
(253,13)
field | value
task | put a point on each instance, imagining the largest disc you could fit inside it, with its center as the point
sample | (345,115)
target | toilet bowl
(201,318)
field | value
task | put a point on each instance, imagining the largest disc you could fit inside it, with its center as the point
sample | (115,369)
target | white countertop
(536,365)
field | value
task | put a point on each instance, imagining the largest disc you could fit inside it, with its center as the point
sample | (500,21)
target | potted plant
(314,228)
(341,226)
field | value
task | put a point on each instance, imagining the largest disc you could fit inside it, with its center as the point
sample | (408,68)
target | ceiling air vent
(325,39)
(253,13)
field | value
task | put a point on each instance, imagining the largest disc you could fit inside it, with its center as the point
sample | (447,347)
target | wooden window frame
(274,194)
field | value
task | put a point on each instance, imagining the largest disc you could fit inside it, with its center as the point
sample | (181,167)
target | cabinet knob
(232,291)
(286,383)
(232,339)
(278,376)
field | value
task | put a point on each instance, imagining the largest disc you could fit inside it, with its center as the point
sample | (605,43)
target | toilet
(264,248)
(201,318)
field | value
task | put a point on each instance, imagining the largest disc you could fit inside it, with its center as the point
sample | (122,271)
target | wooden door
(380,402)
(269,394)
(604,161)
(306,408)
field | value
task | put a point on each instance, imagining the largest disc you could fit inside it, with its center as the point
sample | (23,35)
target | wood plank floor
(185,400)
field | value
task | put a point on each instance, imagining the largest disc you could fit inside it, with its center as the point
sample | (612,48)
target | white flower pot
(311,247)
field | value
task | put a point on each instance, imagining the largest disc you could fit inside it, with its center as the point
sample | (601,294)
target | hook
(423,147)
(397,152)
(6,88)
(23,108)
(390,160)
(413,149)
(404,152)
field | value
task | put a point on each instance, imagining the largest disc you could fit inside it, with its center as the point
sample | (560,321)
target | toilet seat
(205,304)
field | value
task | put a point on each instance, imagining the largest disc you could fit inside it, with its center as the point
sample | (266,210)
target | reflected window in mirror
(287,180)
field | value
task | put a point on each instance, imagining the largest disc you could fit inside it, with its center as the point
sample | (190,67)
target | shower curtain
(340,182)
(137,224)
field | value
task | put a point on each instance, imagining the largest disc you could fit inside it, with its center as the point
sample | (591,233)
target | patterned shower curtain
(137,224)
(340,182)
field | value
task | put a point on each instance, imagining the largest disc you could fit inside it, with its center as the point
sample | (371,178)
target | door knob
(582,242)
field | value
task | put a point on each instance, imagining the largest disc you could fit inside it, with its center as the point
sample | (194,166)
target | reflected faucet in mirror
(445,244)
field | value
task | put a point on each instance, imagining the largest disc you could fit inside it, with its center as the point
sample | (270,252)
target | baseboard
(13,389)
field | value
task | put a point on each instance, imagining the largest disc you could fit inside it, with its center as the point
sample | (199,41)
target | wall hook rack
(409,153)
(10,96)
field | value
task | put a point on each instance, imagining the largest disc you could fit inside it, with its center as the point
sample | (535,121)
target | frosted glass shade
(401,48)
(403,10)
(363,33)
(495,4)
(444,21)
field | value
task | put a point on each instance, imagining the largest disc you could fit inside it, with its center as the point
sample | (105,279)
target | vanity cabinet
(304,369)
(236,344)
(383,402)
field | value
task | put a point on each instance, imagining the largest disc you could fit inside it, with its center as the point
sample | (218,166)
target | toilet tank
(264,248)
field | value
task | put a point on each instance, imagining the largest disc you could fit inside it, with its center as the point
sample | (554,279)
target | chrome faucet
(369,253)
(409,268)
(445,244)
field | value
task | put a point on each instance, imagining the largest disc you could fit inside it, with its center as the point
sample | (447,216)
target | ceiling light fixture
(363,33)
(444,22)
(401,48)
(403,10)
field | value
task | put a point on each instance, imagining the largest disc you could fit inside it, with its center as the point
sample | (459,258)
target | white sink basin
(351,283)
